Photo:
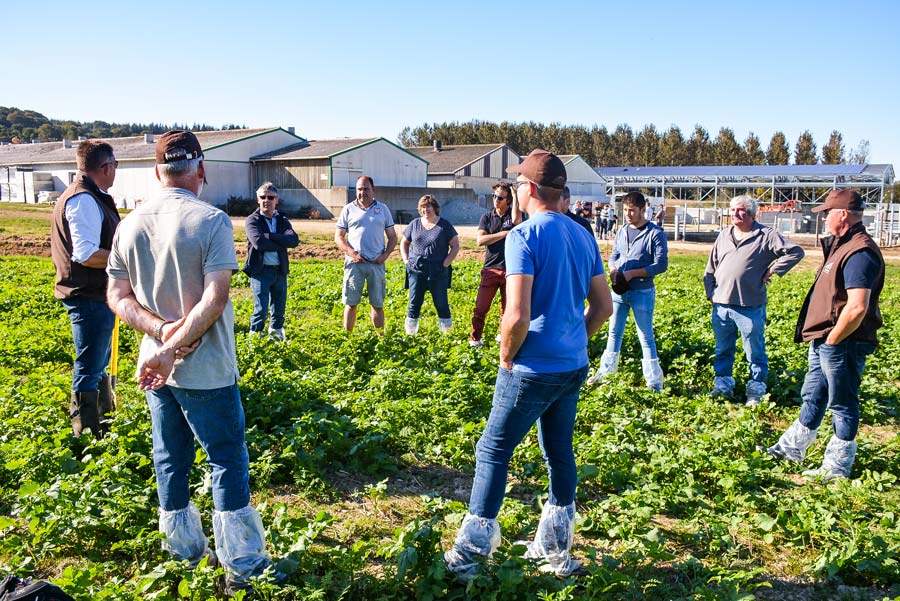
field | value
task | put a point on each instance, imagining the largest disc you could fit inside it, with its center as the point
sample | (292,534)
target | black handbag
(14,588)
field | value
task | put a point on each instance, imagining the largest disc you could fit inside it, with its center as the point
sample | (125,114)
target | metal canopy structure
(701,194)
(775,184)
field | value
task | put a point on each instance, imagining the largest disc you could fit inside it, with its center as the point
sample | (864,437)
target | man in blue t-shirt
(552,266)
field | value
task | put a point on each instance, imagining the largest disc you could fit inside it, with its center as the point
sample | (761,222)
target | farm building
(322,174)
(473,166)
(584,183)
(33,172)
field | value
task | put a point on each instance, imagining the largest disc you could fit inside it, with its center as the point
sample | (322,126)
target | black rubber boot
(106,403)
(84,413)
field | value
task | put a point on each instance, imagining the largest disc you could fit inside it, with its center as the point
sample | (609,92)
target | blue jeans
(641,303)
(727,322)
(216,418)
(270,286)
(92,326)
(520,399)
(435,282)
(833,379)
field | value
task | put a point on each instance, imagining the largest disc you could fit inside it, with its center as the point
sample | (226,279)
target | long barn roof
(130,148)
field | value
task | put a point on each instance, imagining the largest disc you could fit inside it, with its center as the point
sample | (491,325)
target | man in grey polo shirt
(170,273)
(361,230)
(744,258)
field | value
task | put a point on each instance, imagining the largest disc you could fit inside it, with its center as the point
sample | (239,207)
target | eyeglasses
(516,185)
(267,197)
(113,162)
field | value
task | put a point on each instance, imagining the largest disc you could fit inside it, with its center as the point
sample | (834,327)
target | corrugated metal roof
(315,149)
(131,148)
(451,159)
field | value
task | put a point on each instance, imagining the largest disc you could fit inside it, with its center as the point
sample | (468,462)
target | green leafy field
(362,450)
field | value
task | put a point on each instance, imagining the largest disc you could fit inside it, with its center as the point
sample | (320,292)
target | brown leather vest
(827,297)
(74,280)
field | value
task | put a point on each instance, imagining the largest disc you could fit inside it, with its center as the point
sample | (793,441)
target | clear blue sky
(348,68)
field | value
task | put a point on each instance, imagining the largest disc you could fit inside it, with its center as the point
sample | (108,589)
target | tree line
(23,126)
(649,146)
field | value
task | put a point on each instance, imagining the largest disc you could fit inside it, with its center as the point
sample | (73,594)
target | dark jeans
(520,400)
(92,326)
(492,280)
(269,287)
(434,279)
(835,372)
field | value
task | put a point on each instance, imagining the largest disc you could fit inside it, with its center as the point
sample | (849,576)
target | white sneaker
(277,334)
(411,325)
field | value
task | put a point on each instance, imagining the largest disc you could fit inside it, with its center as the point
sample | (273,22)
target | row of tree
(23,126)
(648,146)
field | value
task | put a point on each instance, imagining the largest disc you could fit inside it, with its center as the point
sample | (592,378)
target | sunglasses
(267,197)
(498,197)
(113,162)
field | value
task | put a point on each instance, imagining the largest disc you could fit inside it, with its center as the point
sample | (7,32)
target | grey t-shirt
(365,228)
(164,248)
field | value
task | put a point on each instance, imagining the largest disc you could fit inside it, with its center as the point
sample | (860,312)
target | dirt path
(321,247)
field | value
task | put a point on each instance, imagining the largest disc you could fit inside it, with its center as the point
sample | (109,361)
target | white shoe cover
(609,364)
(793,443)
(411,325)
(477,536)
(444,325)
(240,542)
(184,534)
(277,334)
(553,540)
(838,462)
(653,374)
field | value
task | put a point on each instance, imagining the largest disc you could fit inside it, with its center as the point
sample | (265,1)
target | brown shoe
(84,413)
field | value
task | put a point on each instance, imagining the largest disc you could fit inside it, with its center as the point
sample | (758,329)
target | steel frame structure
(713,186)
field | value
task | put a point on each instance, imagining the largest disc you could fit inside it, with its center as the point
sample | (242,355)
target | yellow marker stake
(114,355)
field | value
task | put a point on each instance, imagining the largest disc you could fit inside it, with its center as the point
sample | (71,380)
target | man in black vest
(839,320)
(84,221)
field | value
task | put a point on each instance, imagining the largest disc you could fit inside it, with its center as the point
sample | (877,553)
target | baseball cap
(543,168)
(849,200)
(177,145)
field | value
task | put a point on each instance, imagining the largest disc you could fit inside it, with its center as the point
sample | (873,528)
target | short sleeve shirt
(431,245)
(365,228)
(563,258)
(861,269)
(164,248)
(494,254)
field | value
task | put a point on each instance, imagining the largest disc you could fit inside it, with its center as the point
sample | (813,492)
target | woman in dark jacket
(428,247)
(269,235)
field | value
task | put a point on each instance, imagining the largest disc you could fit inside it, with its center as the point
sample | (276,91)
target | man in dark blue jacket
(269,235)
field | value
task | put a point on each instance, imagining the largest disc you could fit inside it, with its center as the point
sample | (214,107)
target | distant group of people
(166,269)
